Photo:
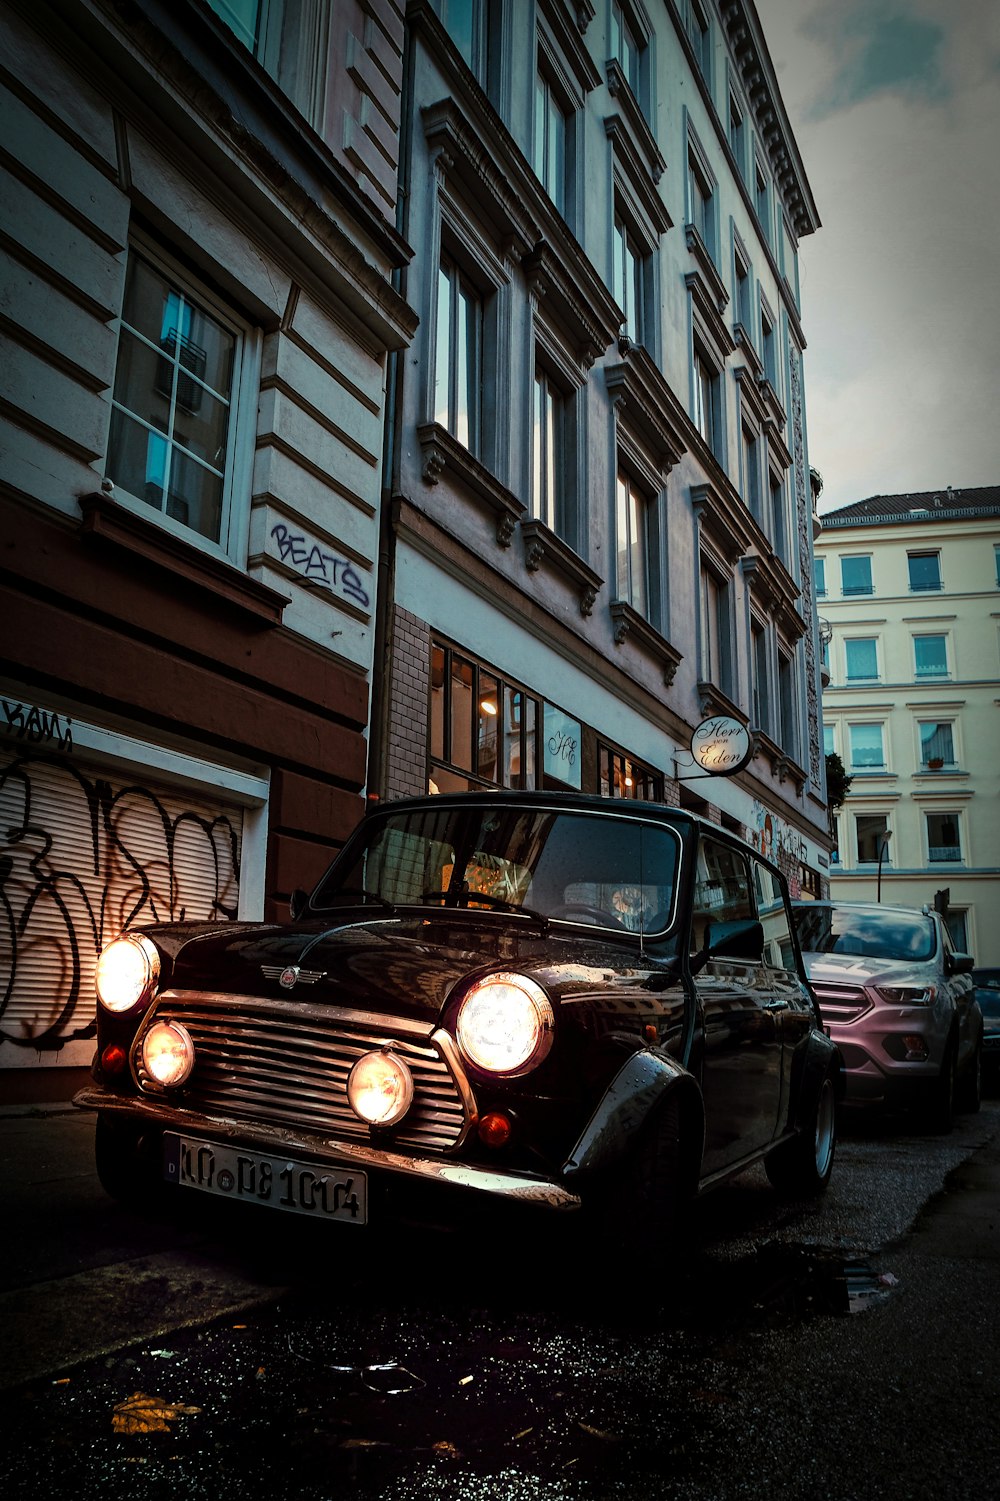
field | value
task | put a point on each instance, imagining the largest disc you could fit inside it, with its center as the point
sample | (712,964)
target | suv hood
(857,969)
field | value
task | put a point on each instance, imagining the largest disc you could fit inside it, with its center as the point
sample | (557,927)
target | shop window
(871,830)
(944,841)
(856,575)
(930,656)
(483,730)
(867,747)
(176,409)
(861,658)
(924,570)
(622,776)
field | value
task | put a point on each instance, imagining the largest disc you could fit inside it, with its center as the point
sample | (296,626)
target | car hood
(856,969)
(402,967)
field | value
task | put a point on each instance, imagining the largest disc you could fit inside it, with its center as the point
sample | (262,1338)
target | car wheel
(117,1152)
(939,1114)
(970,1091)
(803,1166)
(644,1210)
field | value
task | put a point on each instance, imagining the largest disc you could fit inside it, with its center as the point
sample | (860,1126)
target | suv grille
(841,1003)
(288,1065)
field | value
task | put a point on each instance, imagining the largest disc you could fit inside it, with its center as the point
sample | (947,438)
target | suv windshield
(865,932)
(577,867)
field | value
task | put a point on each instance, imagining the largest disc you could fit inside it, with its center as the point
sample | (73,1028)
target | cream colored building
(908,590)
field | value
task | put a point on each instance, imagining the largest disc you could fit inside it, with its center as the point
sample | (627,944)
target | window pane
(490,726)
(870,828)
(866,745)
(943,841)
(439,750)
(936,743)
(930,656)
(925,570)
(143,383)
(442,364)
(137,459)
(856,575)
(637,551)
(462,717)
(537,442)
(621,537)
(241,16)
(819,574)
(861,658)
(194,496)
(828,744)
(203,430)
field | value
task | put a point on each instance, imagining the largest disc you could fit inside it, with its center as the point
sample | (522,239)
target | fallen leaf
(611,1438)
(141,1413)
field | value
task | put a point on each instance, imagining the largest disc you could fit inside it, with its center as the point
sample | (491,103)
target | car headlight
(127,972)
(505,1024)
(168,1053)
(906,995)
(380,1088)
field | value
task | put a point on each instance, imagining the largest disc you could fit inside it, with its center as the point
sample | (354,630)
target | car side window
(779,952)
(722,889)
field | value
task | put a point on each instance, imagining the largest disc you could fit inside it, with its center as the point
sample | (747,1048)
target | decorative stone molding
(569,37)
(782,765)
(542,545)
(635,174)
(442,451)
(620,90)
(575,298)
(107,521)
(745,344)
(714,702)
(629,624)
(723,518)
(477,156)
(647,406)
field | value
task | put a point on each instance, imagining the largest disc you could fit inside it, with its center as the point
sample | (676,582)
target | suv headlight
(906,995)
(505,1024)
(127,972)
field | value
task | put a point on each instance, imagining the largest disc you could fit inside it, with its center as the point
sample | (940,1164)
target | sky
(895,105)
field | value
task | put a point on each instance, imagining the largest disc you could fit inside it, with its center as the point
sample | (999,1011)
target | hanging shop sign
(721,746)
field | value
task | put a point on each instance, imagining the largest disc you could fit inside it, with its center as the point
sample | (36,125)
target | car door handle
(775,1006)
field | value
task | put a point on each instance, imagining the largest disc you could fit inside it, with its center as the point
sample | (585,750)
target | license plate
(280,1182)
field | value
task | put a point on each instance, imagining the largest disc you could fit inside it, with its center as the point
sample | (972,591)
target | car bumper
(499,1184)
(872,1073)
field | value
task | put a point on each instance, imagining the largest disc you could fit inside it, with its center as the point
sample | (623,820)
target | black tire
(970,1089)
(644,1207)
(802,1167)
(120,1167)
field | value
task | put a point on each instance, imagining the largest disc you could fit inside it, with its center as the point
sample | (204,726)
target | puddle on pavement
(782,1282)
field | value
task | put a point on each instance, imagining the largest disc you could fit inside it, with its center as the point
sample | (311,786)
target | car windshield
(578,867)
(864,932)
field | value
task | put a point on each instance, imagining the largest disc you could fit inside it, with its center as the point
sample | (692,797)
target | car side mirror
(735,940)
(960,964)
(297,903)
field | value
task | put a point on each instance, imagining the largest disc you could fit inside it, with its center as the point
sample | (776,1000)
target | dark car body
(987,983)
(898,1000)
(572,1002)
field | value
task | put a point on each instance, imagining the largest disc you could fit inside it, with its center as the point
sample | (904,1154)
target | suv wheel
(970,1090)
(939,1113)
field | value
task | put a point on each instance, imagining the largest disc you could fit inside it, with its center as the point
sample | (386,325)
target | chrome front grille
(840,1003)
(287,1064)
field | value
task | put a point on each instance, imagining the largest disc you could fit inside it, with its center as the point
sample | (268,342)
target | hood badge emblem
(290,975)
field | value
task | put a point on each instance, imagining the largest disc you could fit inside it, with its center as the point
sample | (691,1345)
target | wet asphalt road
(515,1367)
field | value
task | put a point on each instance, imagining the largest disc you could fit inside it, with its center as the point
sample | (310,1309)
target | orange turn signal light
(495,1129)
(113,1059)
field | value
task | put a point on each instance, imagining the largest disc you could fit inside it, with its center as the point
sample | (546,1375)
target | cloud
(896,116)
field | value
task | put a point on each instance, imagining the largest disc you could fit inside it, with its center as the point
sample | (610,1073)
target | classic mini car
(899,1001)
(987,983)
(489,999)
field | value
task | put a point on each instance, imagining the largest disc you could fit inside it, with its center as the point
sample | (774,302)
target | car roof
(887,907)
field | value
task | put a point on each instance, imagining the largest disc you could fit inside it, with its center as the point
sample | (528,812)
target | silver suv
(900,1003)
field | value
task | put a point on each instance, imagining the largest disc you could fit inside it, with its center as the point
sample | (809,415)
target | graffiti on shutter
(83,856)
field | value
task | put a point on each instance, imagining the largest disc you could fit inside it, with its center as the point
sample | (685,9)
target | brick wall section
(671,793)
(409,686)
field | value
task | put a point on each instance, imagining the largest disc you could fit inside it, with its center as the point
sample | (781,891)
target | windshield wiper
(371,896)
(462,894)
